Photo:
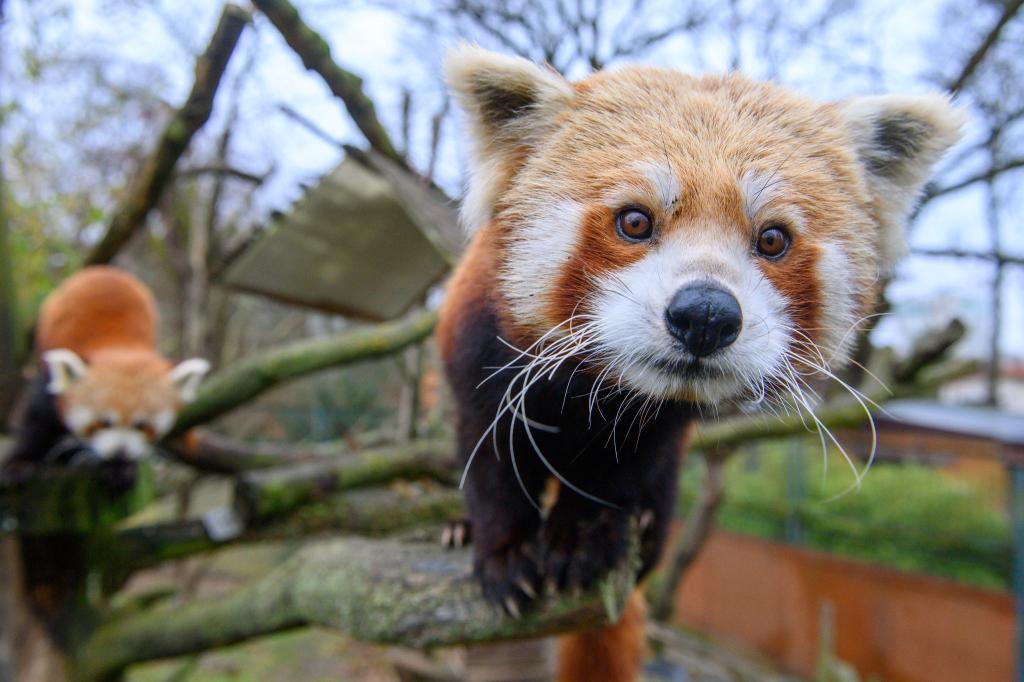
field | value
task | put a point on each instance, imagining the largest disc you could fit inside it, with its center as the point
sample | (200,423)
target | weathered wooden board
(362,243)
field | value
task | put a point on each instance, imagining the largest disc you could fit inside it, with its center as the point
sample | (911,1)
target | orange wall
(897,626)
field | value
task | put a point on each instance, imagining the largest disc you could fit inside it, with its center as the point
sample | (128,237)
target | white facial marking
(163,421)
(537,256)
(658,189)
(118,441)
(664,183)
(761,194)
(79,418)
(631,323)
(839,302)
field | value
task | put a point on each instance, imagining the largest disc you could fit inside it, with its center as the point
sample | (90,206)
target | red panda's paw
(576,553)
(456,533)
(510,577)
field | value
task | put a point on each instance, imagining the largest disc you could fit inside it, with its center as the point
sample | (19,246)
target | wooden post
(1017,501)
(27,650)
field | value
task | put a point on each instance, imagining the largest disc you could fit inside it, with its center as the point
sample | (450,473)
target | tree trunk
(152,178)
(10,334)
(27,651)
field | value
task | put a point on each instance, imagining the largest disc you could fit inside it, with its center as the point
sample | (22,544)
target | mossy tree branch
(240,383)
(315,54)
(843,414)
(262,496)
(412,593)
(149,182)
(340,494)
(370,512)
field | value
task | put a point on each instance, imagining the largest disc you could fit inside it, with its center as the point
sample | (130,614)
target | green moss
(905,516)
(69,500)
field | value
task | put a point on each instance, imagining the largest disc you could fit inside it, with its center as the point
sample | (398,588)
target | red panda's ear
(898,140)
(65,368)
(511,103)
(186,376)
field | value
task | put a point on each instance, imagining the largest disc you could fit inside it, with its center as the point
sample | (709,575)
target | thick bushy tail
(612,654)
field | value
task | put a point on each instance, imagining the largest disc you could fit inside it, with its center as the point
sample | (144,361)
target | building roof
(979,422)
(366,241)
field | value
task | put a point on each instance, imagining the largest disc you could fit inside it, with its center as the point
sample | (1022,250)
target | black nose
(704,317)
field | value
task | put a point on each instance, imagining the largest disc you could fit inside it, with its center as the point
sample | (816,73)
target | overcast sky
(381,47)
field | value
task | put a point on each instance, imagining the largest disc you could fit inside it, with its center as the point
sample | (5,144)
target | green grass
(905,516)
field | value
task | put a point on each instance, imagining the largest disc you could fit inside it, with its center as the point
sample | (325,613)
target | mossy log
(149,182)
(840,414)
(315,54)
(68,500)
(243,381)
(370,512)
(265,495)
(411,593)
(216,453)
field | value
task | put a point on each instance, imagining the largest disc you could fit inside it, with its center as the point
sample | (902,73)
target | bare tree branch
(1010,10)
(978,255)
(224,171)
(150,182)
(990,173)
(315,54)
(240,383)
(310,126)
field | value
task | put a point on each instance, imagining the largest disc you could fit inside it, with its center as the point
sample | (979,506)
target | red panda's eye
(634,224)
(143,427)
(105,423)
(772,242)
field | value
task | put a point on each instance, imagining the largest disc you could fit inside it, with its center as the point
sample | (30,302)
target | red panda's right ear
(511,103)
(65,368)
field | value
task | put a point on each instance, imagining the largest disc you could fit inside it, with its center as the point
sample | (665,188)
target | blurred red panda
(102,381)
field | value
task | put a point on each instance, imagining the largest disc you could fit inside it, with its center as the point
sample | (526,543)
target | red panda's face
(123,402)
(697,239)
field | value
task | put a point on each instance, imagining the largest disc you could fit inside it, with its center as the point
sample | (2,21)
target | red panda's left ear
(898,139)
(187,375)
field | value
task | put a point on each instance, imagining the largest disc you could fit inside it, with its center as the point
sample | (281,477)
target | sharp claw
(527,588)
(646,519)
(459,535)
(550,586)
(513,608)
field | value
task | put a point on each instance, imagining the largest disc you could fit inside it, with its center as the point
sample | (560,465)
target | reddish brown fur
(612,654)
(770,130)
(469,287)
(599,250)
(844,196)
(110,320)
(96,310)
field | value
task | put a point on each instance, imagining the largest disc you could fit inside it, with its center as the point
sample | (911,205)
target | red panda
(103,381)
(648,245)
